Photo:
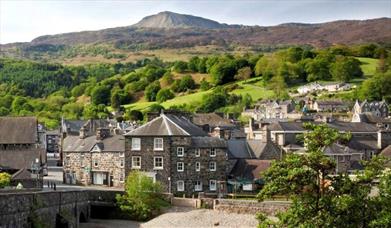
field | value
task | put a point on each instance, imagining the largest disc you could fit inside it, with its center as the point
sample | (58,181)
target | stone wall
(250,206)
(80,165)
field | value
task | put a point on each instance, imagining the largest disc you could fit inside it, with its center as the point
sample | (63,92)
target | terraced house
(172,150)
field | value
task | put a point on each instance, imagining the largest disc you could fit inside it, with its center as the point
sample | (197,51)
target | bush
(164,94)
(152,90)
(142,197)
(5,180)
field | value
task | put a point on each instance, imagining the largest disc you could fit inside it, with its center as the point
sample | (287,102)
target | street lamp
(169,185)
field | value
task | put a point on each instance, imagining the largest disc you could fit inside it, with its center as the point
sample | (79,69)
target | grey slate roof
(252,149)
(211,119)
(386,151)
(250,169)
(18,130)
(338,149)
(115,143)
(19,159)
(72,126)
(168,125)
(341,126)
(208,142)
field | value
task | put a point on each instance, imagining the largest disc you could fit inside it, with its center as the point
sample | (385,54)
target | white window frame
(180,186)
(154,163)
(198,186)
(136,144)
(121,154)
(134,160)
(96,163)
(177,166)
(197,152)
(210,185)
(156,144)
(212,152)
(198,166)
(180,151)
(121,177)
(121,163)
(214,167)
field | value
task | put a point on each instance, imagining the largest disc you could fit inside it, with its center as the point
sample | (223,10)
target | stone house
(214,124)
(21,148)
(97,159)
(272,110)
(330,106)
(52,139)
(180,155)
(326,86)
(378,108)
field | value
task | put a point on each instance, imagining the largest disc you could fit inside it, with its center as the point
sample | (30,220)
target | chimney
(102,133)
(82,133)
(266,137)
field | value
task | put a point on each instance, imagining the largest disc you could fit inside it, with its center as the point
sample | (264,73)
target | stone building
(52,143)
(272,110)
(97,159)
(21,149)
(330,106)
(172,150)
(378,108)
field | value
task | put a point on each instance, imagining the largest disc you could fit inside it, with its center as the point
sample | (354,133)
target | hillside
(176,36)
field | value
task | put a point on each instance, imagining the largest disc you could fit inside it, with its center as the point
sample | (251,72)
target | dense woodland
(52,91)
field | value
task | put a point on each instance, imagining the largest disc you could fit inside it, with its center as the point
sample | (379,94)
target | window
(212,152)
(180,186)
(67,161)
(197,152)
(212,185)
(197,166)
(121,154)
(197,186)
(136,144)
(158,144)
(96,163)
(180,151)
(121,163)
(158,163)
(212,166)
(180,166)
(136,162)
(121,177)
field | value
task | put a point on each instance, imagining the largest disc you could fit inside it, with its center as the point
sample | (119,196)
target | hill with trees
(226,83)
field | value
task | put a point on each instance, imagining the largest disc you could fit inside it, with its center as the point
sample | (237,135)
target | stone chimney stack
(102,133)
(266,137)
(82,133)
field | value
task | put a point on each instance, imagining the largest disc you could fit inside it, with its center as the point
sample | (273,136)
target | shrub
(164,94)
(5,180)
(142,197)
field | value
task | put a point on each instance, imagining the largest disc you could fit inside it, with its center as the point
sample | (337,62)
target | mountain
(168,35)
(168,19)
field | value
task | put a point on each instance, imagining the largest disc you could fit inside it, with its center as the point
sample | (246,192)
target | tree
(134,115)
(193,64)
(317,69)
(244,73)
(377,87)
(180,66)
(346,68)
(5,179)
(115,100)
(164,94)
(278,85)
(142,196)
(223,72)
(217,99)
(100,95)
(204,85)
(320,199)
(152,90)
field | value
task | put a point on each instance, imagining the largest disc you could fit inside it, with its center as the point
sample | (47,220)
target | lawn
(368,65)
(255,88)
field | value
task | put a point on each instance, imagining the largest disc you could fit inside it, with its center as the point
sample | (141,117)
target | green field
(368,65)
(253,87)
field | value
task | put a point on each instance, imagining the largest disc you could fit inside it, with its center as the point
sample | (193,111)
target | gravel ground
(101,223)
(188,217)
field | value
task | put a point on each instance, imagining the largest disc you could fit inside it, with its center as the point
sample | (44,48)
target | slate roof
(168,125)
(370,117)
(18,130)
(252,149)
(341,126)
(208,142)
(19,159)
(386,151)
(338,149)
(331,103)
(250,169)
(211,119)
(115,143)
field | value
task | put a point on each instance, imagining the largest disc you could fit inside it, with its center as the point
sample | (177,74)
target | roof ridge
(164,115)
(167,125)
(144,125)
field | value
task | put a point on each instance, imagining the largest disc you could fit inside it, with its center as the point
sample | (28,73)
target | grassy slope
(368,66)
(255,90)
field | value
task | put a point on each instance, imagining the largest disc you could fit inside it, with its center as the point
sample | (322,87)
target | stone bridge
(51,208)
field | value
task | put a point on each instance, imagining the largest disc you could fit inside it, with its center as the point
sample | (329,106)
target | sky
(24,20)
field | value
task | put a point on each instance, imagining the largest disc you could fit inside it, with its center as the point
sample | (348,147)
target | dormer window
(158,144)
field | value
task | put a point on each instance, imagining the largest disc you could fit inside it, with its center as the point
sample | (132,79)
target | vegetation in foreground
(321,199)
(142,198)
(5,180)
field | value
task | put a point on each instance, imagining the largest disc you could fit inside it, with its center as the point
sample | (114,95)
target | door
(98,178)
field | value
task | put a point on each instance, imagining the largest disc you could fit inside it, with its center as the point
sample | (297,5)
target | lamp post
(169,185)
